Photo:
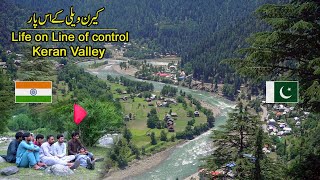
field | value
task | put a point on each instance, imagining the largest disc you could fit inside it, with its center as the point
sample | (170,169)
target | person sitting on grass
(12,148)
(85,160)
(28,154)
(74,145)
(47,156)
(39,140)
(60,149)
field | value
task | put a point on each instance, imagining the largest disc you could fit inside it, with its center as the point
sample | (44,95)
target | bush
(152,121)
(153,139)
(169,91)
(228,90)
(102,117)
(21,122)
(191,122)
(190,114)
(127,134)
(181,135)
(210,121)
(121,153)
(189,132)
(189,96)
(163,136)
(147,94)
(119,90)
(172,139)
(180,99)
(44,131)
(135,151)
(160,125)
(143,150)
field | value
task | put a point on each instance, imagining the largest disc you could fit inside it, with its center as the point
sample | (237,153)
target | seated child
(85,159)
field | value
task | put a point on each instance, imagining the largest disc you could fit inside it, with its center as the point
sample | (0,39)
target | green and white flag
(282,91)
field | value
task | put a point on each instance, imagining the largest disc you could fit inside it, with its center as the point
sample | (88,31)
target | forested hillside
(11,19)
(203,31)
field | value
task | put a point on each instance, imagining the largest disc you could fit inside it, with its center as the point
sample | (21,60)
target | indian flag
(33,91)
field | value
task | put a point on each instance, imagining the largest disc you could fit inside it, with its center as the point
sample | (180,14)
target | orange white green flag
(33,91)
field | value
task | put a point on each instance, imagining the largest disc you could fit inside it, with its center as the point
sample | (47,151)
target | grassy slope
(80,173)
(138,126)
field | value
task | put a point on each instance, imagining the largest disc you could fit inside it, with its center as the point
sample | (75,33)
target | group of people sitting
(26,151)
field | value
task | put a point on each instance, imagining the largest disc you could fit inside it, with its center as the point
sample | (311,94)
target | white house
(287,130)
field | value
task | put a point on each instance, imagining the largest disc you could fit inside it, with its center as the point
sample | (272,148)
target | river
(186,158)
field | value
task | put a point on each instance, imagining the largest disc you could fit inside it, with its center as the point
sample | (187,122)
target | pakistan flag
(282,92)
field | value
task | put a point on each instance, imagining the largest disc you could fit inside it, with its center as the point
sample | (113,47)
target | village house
(167,117)
(170,100)
(196,114)
(153,97)
(165,104)
(170,128)
(170,122)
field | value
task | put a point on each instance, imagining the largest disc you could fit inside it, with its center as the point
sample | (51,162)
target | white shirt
(59,149)
(46,150)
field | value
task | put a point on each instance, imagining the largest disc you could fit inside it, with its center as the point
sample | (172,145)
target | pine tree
(234,139)
(258,154)
(289,51)
(163,136)
(153,138)
(6,100)
(127,134)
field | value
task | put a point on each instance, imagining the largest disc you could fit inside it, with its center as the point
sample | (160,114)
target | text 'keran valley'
(77,51)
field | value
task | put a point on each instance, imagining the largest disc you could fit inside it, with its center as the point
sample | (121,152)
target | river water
(186,158)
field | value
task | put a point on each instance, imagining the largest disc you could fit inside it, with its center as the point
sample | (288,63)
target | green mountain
(202,32)
(11,20)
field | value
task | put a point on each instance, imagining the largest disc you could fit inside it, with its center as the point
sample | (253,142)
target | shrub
(172,139)
(181,135)
(163,136)
(191,122)
(143,150)
(127,134)
(153,139)
(102,117)
(21,122)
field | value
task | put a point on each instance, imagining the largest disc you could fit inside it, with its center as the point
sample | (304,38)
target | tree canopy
(289,51)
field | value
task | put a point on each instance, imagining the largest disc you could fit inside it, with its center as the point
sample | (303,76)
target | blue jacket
(23,147)
(12,151)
